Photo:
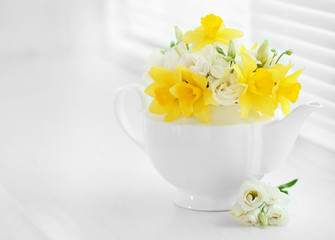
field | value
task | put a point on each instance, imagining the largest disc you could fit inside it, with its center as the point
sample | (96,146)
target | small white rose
(237,211)
(219,66)
(203,59)
(252,194)
(171,59)
(250,218)
(277,216)
(156,58)
(207,51)
(186,60)
(201,65)
(226,91)
(276,197)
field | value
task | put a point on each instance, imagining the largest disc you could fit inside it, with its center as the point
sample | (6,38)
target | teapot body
(207,164)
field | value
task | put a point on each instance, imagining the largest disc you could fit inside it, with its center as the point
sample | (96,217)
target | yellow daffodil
(212,30)
(179,92)
(193,94)
(258,85)
(164,102)
(286,87)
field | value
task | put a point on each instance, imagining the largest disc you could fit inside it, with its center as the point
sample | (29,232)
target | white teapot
(208,163)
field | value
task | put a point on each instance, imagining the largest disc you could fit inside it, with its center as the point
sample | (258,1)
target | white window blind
(306,26)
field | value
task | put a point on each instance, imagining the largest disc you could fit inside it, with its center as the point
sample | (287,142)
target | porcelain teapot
(208,163)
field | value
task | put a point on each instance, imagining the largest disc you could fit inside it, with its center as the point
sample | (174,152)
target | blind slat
(313,35)
(303,15)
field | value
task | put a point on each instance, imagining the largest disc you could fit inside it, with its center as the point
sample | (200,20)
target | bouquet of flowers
(261,204)
(208,66)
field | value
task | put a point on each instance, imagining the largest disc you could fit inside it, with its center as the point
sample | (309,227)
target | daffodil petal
(202,44)
(186,109)
(289,91)
(156,108)
(255,46)
(187,74)
(161,75)
(245,104)
(263,104)
(177,76)
(293,78)
(248,64)
(240,77)
(191,37)
(279,71)
(200,81)
(229,33)
(208,98)
(243,48)
(150,90)
(201,111)
(285,105)
(173,112)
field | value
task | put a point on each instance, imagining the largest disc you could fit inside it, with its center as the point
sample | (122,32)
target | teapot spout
(283,133)
(300,113)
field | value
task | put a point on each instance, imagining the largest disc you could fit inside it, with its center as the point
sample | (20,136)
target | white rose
(201,65)
(252,194)
(156,58)
(237,211)
(186,60)
(276,197)
(277,216)
(226,91)
(202,60)
(219,66)
(207,51)
(171,59)
(250,218)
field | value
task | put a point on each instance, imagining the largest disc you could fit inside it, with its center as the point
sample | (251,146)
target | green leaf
(284,191)
(288,185)
(172,44)
(219,50)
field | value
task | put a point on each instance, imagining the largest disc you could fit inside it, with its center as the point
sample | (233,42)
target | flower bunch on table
(261,204)
(208,66)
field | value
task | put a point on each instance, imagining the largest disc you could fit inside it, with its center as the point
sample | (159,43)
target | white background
(66,169)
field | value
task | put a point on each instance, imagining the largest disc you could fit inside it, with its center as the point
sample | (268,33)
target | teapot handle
(119,110)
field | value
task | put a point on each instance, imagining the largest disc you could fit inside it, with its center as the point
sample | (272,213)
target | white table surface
(68,172)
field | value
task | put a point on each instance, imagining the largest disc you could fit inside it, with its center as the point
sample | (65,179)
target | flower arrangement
(260,203)
(208,66)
